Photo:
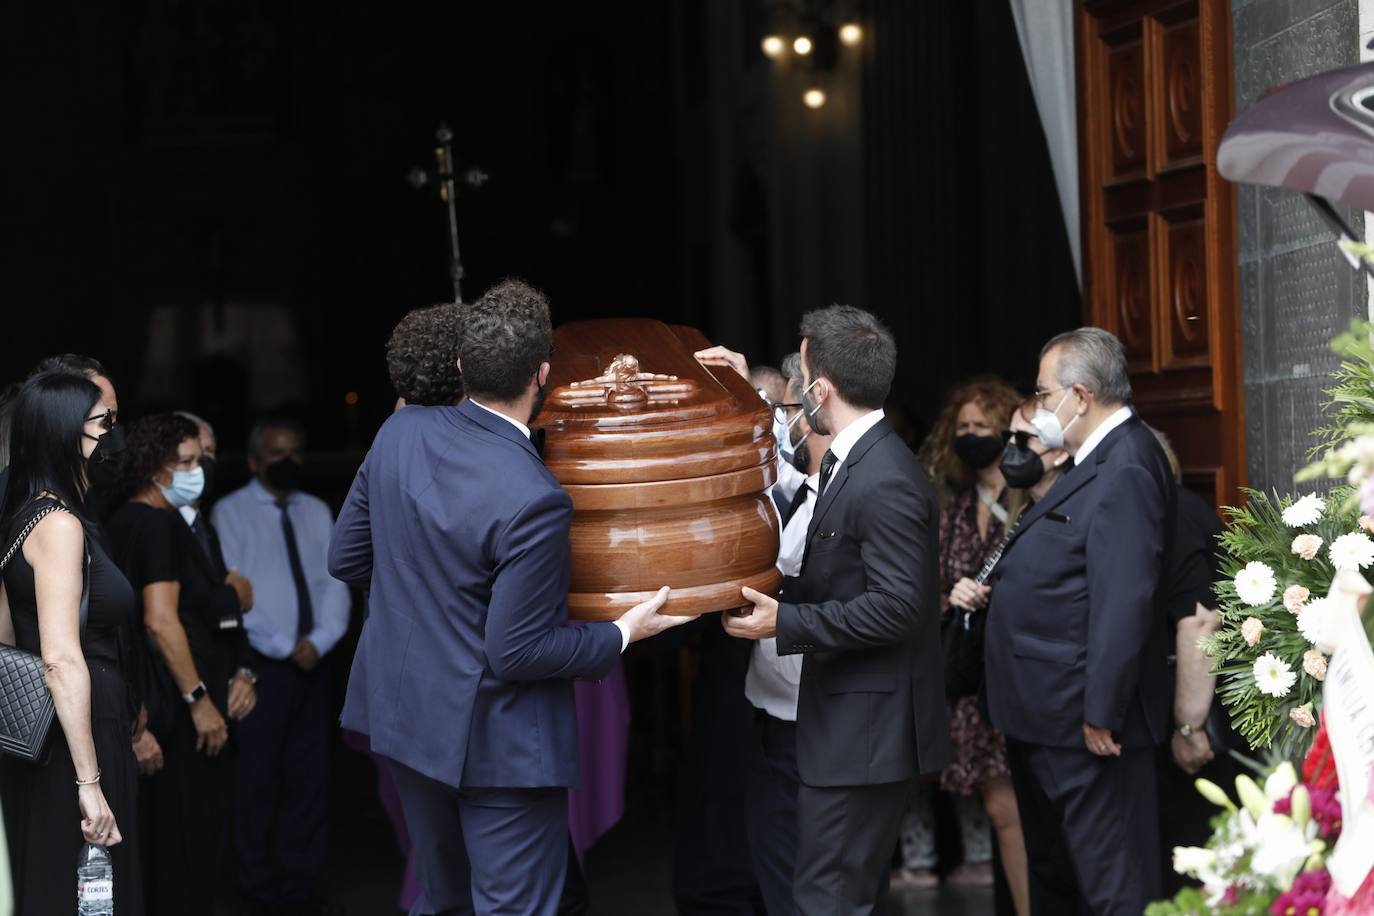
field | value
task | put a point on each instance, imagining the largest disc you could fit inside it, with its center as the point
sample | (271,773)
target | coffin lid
(1315,136)
(584,350)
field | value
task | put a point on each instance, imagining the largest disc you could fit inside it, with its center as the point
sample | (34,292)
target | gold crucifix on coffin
(625,387)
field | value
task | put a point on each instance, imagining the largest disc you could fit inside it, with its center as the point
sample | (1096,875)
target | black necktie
(209,543)
(305,612)
(798,501)
(828,463)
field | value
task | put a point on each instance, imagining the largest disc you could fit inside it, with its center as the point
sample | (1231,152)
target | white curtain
(1045,28)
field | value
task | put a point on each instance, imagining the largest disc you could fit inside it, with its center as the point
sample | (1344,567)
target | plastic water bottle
(94,882)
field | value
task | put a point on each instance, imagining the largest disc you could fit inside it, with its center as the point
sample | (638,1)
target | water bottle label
(96,891)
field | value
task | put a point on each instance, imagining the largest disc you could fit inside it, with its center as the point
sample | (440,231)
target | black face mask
(1021,468)
(283,475)
(977,451)
(207,464)
(107,461)
(539,397)
(801,456)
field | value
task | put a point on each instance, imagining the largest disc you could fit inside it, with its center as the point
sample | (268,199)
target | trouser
(484,850)
(1053,883)
(771,812)
(283,774)
(1107,809)
(845,840)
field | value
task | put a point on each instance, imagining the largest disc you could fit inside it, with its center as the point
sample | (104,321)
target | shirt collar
(847,438)
(190,513)
(524,430)
(264,495)
(1093,441)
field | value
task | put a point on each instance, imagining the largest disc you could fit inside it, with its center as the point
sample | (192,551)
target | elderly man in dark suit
(463,675)
(1078,634)
(864,614)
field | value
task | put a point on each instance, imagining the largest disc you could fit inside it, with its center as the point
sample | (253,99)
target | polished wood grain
(667,489)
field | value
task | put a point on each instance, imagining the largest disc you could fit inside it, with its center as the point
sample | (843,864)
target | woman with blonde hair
(962,455)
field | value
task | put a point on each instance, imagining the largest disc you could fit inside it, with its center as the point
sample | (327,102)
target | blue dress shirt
(250,531)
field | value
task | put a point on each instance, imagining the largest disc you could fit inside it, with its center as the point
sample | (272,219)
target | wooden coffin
(667,462)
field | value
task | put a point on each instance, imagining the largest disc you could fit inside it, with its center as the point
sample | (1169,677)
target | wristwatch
(249,675)
(196,693)
(1187,730)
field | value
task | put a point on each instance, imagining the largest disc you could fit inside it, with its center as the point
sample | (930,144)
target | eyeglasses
(1042,394)
(107,420)
(1021,437)
(780,411)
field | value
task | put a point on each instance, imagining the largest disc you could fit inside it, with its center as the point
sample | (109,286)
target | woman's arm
(6,622)
(57,552)
(164,625)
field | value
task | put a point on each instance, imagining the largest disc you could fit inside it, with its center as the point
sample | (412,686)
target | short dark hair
(72,364)
(153,442)
(506,334)
(258,433)
(854,350)
(422,356)
(48,419)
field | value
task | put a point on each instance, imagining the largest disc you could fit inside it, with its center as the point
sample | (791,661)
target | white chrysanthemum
(1359,453)
(1305,511)
(1189,860)
(1317,623)
(1352,551)
(1273,676)
(1255,584)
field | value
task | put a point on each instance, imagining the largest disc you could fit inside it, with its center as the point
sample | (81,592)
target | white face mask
(1046,423)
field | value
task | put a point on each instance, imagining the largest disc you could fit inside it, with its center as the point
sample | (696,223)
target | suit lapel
(832,492)
(1065,487)
(837,482)
(495,425)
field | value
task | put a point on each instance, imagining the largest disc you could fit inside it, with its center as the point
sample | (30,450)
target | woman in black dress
(193,617)
(84,789)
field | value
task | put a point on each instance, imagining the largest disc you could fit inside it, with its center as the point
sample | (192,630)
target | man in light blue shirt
(278,537)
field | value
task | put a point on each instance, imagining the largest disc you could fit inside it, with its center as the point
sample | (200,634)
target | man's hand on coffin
(760,622)
(644,620)
(721,356)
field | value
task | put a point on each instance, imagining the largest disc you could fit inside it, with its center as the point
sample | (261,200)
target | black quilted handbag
(26,706)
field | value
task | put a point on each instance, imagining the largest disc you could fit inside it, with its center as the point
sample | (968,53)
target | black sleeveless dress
(42,815)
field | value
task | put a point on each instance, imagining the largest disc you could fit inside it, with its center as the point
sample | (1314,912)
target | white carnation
(1189,860)
(1352,551)
(1273,675)
(1255,584)
(1305,511)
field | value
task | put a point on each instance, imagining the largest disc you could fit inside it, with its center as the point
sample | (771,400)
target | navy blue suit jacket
(465,664)
(1077,628)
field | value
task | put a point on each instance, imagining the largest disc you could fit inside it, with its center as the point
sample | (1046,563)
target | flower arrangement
(1270,653)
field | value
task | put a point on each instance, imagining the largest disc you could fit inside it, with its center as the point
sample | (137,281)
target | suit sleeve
(333,602)
(896,542)
(527,634)
(1125,549)
(350,546)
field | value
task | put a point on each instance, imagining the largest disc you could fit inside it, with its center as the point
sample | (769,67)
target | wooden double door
(1159,249)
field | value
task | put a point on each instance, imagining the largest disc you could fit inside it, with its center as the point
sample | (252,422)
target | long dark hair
(47,421)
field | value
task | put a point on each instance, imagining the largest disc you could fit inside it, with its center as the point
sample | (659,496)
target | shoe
(979,875)
(914,879)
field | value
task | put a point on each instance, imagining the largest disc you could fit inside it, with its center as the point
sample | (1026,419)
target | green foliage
(1352,396)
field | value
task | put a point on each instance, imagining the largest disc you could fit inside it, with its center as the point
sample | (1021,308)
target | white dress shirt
(525,431)
(847,438)
(774,680)
(1094,440)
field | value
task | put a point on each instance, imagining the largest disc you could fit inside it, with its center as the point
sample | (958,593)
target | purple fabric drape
(603,727)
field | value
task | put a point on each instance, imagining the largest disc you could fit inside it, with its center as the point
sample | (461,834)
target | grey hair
(1093,358)
(792,371)
(199,421)
(258,433)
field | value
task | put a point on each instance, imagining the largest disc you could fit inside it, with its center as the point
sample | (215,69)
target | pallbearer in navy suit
(463,674)
(1077,630)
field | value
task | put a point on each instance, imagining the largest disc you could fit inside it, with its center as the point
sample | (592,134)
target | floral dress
(980,754)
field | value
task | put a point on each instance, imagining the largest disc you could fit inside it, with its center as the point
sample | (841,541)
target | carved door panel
(1154,96)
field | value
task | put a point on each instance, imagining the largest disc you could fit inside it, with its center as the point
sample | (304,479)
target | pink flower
(1303,716)
(1294,597)
(1307,545)
(1314,663)
(1306,896)
(1252,630)
(1367,523)
(1367,497)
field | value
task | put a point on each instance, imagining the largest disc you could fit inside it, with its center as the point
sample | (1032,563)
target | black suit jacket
(1078,629)
(865,610)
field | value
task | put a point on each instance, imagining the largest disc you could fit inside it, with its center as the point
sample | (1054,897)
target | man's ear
(543,375)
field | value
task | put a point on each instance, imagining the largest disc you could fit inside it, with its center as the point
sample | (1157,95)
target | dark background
(193,158)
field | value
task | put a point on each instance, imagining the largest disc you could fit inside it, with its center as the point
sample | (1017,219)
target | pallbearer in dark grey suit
(1078,634)
(864,613)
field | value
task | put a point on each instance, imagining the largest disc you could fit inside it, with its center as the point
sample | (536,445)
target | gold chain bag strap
(26,705)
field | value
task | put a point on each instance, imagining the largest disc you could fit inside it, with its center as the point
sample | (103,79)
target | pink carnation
(1307,895)
(1294,597)
(1314,663)
(1302,716)
(1367,523)
(1252,630)
(1307,545)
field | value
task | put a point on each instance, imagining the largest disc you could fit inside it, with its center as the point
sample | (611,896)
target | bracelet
(90,782)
